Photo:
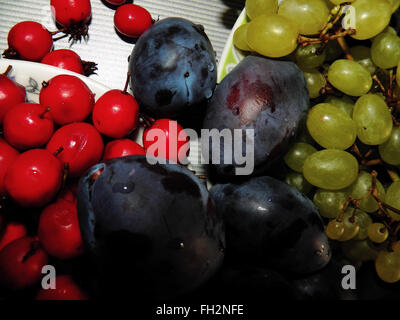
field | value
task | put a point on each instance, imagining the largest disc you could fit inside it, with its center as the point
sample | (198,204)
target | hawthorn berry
(34,178)
(21,263)
(77,144)
(28,40)
(116,114)
(132,20)
(11,94)
(7,157)
(28,125)
(68,97)
(59,230)
(122,148)
(66,289)
(166,139)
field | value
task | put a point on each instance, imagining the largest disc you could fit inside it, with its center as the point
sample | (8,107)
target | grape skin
(272,35)
(254,8)
(349,77)
(309,15)
(373,119)
(372,17)
(390,150)
(331,127)
(331,169)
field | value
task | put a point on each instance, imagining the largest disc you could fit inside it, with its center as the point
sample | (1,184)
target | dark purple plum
(264,95)
(151,230)
(173,68)
(271,224)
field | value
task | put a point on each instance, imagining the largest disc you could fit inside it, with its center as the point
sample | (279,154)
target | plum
(173,68)
(151,230)
(266,96)
(271,224)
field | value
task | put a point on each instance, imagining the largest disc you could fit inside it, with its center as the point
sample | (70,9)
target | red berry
(71,12)
(28,125)
(115,2)
(132,20)
(122,148)
(21,263)
(172,136)
(64,59)
(116,114)
(34,178)
(66,289)
(7,157)
(81,146)
(69,99)
(59,230)
(11,94)
(30,40)
(12,232)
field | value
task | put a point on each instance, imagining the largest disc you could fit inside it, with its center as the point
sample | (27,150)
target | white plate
(32,74)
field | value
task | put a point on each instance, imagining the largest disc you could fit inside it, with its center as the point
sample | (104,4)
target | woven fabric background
(104,45)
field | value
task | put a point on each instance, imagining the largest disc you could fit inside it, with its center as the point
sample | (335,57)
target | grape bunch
(352,132)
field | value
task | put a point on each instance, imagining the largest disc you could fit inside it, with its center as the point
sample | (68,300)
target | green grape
(392,198)
(373,119)
(309,15)
(388,29)
(255,8)
(359,250)
(364,221)
(387,266)
(297,154)
(345,103)
(272,35)
(331,127)
(395,5)
(378,233)
(297,180)
(385,50)
(371,17)
(351,228)
(308,57)
(336,2)
(349,77)
(330,203)
(315,82)
(361,187)
(334,229)
(390,150)
(362,55)
(398,75)
(331,169)
(333,51)
(239,38)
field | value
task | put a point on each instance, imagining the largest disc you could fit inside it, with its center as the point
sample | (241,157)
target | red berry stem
(59,150)
(128,75)
(10,53)
(34,246)
(5,73)
(41,116)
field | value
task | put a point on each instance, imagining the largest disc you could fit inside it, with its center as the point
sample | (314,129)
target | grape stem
(342,43)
